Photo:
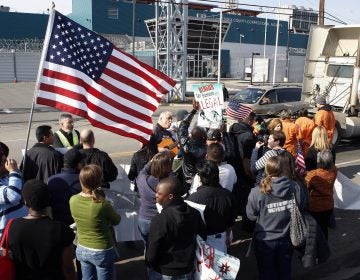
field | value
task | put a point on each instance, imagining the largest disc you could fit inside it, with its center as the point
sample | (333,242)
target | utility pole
(321,12)
(133,27)
(276,43)
(252,66)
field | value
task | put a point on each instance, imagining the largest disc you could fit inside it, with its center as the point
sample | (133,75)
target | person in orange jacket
(325,117)
(290,131)
(305,127)
(320,184)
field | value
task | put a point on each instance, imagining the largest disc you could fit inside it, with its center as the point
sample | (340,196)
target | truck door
(338,84)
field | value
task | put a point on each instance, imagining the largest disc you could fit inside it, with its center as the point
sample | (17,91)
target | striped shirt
(260,163)
(10,199)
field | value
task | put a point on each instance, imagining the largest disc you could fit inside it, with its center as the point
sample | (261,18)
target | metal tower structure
(171,43)
(230,4)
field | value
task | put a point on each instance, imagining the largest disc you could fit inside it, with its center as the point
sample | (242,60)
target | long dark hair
(209,174)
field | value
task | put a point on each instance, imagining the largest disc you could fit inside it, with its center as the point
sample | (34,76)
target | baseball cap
(214,134)
(321,100)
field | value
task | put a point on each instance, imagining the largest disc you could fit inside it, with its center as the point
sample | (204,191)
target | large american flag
(237,110)
(85,74)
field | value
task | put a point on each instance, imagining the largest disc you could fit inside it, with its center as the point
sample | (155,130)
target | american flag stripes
(85,74)
(300,166)
(236,110)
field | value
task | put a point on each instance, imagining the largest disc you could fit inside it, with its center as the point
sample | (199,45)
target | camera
(263,138)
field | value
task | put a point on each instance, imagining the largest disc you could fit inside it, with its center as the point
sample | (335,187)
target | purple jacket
(147,188)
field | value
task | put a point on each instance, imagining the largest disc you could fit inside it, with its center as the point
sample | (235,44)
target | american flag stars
(74,47)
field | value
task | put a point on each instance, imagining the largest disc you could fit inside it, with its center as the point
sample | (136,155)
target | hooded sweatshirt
(272,211)
(244,137)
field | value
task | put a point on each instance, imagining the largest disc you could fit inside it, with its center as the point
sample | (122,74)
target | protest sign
(211,100)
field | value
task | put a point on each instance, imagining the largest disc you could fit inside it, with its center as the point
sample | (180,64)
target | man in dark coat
(64,185)
(241,133)
(95,156)
(172,236)
(42,160)
(245,141)
(193,148)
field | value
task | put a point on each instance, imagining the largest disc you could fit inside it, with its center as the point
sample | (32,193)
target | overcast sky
(348,12)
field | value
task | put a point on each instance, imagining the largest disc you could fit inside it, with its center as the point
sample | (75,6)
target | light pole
(252,66)
(240,37)
(286,78)
(276,43)
(133,26)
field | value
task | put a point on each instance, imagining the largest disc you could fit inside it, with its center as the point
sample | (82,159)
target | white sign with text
(211,100)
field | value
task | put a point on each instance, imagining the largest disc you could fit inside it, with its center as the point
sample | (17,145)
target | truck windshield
(340,71)
(249,95)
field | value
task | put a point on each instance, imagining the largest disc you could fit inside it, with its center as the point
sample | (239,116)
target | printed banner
(213,264)
(211,100)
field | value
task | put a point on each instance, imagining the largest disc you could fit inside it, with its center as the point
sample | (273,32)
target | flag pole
(37,84)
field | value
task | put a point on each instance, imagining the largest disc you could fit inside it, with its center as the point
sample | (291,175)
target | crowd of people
(247,170)
(50,196)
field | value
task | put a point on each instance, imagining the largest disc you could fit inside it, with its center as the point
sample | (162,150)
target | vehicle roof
(268,87)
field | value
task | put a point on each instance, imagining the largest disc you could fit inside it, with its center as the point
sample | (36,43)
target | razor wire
(21,45)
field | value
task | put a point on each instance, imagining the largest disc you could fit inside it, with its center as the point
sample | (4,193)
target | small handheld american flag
(236,110)
(300,166)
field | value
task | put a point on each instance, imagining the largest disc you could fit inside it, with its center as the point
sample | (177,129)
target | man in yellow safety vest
(67,136)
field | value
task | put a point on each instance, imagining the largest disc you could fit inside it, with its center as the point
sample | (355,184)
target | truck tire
(337,134)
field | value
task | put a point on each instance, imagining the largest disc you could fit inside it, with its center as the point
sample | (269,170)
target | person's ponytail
(266,185)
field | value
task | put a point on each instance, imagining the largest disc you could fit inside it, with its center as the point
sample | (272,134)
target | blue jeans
(274,258)
(154,275)
(96,264)
(144,228)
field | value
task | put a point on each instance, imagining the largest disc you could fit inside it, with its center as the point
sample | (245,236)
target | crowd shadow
(350,171)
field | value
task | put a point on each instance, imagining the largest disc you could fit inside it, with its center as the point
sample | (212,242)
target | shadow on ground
(344,264)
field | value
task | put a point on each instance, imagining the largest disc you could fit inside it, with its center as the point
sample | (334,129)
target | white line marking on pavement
(347,162)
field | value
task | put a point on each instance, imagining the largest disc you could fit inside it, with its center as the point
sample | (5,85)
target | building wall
(22,25)
(123,24)
(94,15)
(82,12)
(240,58)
